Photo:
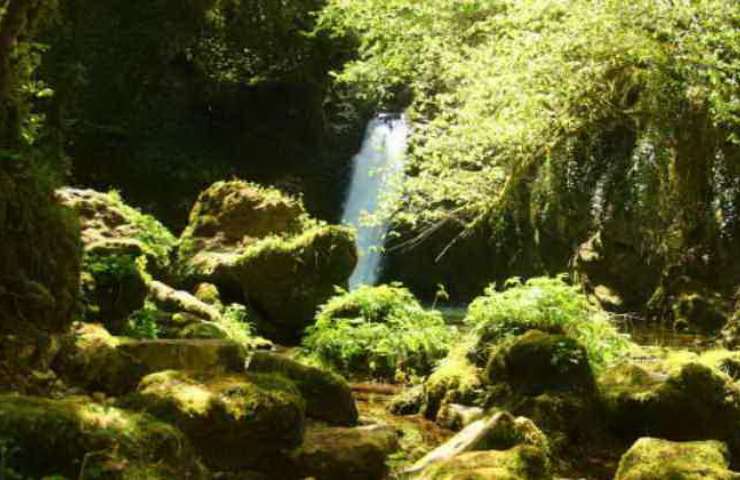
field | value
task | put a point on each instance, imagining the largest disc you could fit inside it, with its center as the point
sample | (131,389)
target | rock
(234,421)
(705,400)
(215,356)
(497,432)
(456,380)
(258,248)
(519,463)
(408,402)
(90,358)
(700,312)
(168,299)
(537,362)
(106,219)
(61,437)
(338,453)
(207,293)
(656,459)
(328,396)
(456,417)
(610,265)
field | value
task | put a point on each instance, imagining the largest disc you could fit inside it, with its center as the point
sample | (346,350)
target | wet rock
(455,417)
(338,453)
(519,463)
(90,358)
(537,362)
(257,247)
(328,396)
(408,402)
(61,437)
(656,459)
(168,299)
(234,421)
(498,432)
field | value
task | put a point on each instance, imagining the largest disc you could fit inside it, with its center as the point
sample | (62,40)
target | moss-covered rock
(234,421)
(537,362)
(214,356)
(656,459)
(519,463)
(231,215)
(63,437)
(105,218)
(257,246)
(700,312)
(339,453)
(693,402)
(328,396)
(90,358)
(456,380)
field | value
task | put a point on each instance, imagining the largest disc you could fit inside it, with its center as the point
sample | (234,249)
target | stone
(215,356)
(340,453)
(700,312)
(657,459)
(408,402)
(537,362)
(61,437)
(258,247)
(168,299)
(523,462)
(500,431)
(455,417)
(234,421)
(328,396)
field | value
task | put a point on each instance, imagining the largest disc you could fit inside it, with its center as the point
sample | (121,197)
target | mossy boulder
(340,453)
(259,248)
(231,215)
(701,312)
(61,437)
(90,358)
(657,459)
(693,402)
(106,219)
(328,396)
(537,362)
(234,421)
(456,380)
(201,355)
(523,462)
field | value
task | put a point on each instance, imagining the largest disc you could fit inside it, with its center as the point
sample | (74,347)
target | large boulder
(523,462)
(328,396)
(656,459)
(700,312)
(537,362)
(693,402)
(257,246)
(77,438)
(234,421)
(122,246)
(215,356)
(340,453)
(106,219)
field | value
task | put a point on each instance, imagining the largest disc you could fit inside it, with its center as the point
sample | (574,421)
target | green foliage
(550,305)
(235,321)
(379,331)
(586,105)
(143,322)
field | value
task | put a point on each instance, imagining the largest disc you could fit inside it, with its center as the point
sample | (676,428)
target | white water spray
(377,173)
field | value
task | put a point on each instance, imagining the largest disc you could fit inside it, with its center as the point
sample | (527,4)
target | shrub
(379,331)
(551,305)
(143,322)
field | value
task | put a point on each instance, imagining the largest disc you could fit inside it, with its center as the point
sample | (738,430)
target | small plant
(143,322)
(382,332)
(551,305)
(235,322)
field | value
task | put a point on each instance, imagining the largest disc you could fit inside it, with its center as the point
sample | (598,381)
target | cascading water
(376,178)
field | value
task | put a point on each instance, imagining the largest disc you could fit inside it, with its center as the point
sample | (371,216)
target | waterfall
(377,173)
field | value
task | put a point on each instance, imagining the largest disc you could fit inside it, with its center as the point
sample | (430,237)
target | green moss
(456,379)
(379,331)
(57,436)
(518,463)
(656,459)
